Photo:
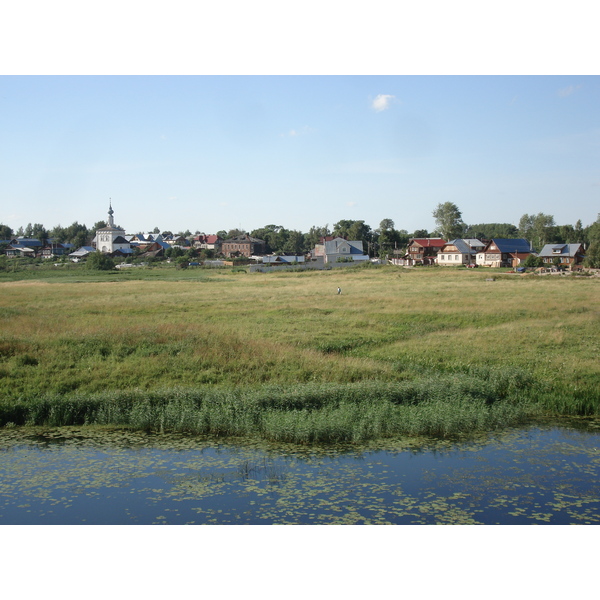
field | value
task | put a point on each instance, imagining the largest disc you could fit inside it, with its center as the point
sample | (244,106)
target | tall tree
(538,229)
(387,237)
(592,254)
(448,220)
(490,231)
(313,237)
(295,243)
(5,232)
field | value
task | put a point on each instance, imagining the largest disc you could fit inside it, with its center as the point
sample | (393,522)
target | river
(543,473)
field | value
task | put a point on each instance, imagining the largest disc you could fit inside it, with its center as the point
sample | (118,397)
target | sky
(213,153)
(296,126)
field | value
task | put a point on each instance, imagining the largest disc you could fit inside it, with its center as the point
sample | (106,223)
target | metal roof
(511,245)
(569,250)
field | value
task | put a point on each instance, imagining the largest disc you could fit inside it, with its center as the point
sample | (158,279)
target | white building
(109,239)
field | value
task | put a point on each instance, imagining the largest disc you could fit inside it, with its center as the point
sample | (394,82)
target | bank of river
(545,473)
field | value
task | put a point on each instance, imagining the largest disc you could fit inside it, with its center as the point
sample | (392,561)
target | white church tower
(111,238)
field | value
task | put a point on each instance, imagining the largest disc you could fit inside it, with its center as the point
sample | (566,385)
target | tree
(592,255)
(387,237)
(295,243)
(579,236)
(353,230)
(313,237)
(98,261)
(489,231)
(533,261)
(6,233)
(539,229)
(448,220)
(274,235)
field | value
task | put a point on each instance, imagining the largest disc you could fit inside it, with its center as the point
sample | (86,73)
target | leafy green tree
(592,255)
(234,233)
(420,233)
(533,261)
(387,237)
(6,233)
(353,230)
(275,236)
(313,237)
(448,220)
(489,231)
(579,235)
(539,229)
(39,232)
(295,243)
(174,252)
(98,261)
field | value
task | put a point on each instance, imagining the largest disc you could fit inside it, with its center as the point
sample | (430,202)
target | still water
(539,474)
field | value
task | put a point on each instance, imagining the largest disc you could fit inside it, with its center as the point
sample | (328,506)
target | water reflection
(543,473)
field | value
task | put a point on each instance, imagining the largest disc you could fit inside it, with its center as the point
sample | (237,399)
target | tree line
(382,241)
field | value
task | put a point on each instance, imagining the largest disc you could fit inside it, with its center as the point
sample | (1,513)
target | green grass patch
(423,351)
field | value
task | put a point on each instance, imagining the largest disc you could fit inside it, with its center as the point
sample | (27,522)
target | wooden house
(423,251)
(459,252)
(504,253)
(563,255)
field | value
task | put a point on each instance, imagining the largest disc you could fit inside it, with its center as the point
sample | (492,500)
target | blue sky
(219,152)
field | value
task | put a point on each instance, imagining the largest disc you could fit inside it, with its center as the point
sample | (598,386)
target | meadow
(282,356)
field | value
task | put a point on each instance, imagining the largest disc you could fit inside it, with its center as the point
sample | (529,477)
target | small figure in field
(339,290)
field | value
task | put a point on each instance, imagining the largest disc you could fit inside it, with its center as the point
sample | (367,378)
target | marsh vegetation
(283,357)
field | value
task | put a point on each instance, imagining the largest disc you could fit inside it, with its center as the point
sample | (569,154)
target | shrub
(98,261)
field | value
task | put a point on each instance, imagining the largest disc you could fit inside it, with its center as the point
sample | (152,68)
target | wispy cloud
(382,102)
(568,91)
(297,132)
(351,204)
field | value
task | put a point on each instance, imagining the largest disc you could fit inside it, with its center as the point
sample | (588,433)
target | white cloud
(296,132)
(351,204)
(382,102)
(568,91)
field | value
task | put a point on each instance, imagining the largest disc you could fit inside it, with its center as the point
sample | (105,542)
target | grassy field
(281,355)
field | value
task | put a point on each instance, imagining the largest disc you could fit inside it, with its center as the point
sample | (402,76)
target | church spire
(111,222)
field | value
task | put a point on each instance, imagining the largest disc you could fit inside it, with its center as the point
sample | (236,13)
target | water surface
(544,474)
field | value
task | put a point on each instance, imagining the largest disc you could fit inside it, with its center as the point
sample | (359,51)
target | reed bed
(308,413)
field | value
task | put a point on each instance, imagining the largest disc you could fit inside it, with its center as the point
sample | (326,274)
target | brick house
(243,245)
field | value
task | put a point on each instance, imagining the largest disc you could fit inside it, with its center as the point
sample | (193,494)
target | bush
(98,261)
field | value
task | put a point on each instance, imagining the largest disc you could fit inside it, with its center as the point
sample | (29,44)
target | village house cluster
(114,241)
